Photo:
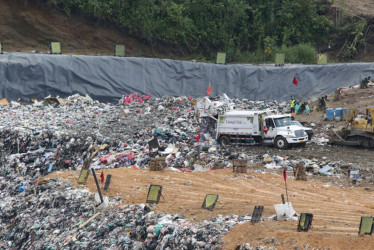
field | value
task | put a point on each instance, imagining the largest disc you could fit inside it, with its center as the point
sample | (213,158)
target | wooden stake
(89,220)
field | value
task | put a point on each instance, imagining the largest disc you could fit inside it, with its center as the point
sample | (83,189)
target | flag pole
(285,180)
(285,183)
(97,185)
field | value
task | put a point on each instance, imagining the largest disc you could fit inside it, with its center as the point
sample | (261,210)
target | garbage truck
(248,127)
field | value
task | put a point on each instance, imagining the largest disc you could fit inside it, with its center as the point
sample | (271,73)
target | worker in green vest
(292,106)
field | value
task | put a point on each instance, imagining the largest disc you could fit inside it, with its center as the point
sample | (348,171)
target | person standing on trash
(292,106)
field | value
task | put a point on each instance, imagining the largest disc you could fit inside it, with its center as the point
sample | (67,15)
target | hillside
(358,7)
(28,27)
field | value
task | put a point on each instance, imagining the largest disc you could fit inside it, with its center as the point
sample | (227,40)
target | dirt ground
(357,7)
(337,210)
(27,28)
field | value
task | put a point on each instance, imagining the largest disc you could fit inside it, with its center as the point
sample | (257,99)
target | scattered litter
(285,212)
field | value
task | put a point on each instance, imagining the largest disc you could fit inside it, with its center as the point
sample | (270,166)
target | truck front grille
(299,133)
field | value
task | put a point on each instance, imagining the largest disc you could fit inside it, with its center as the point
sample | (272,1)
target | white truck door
(270,132)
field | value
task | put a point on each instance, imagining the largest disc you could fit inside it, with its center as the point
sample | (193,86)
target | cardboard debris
(268,160)
(285,212)
(4,101)
(299,172)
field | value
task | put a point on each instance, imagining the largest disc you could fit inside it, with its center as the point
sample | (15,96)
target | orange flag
(209,90)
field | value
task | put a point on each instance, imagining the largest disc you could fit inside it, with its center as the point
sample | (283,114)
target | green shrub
(244,29)
(301,53)
(256,57)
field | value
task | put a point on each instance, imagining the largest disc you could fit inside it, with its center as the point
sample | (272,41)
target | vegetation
(354,30)
(247,30)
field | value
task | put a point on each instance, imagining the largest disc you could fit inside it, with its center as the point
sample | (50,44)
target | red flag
(209,90)
(102,177)
(295,82)
(284,174)
(149,96)
(198,136)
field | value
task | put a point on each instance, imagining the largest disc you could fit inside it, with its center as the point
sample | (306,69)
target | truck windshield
(282,122)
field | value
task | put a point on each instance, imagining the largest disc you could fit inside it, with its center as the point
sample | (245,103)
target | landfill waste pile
(48,215)
(59,134)
(40,138)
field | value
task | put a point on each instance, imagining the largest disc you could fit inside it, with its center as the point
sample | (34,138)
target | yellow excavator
(358,130)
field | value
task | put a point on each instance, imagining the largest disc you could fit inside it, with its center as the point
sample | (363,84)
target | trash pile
(54,137)
(48,215)
(56,134)
(312,166)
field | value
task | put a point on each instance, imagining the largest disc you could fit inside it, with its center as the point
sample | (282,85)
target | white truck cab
(279,131)
(243,127)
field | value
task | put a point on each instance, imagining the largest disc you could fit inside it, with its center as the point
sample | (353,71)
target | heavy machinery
(358,130)
(207,108)
(365,83)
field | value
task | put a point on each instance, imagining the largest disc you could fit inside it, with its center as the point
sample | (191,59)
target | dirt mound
(356,7)
(283,235)
(27,28)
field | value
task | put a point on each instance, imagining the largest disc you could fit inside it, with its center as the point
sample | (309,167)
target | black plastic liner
(107,78)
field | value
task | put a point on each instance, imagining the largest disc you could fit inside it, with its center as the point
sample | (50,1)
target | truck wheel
(281,143)
(224,141)
(258,139)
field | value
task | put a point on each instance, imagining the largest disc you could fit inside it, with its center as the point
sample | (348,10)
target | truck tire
(258,139)
(224,141)
(280,143)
